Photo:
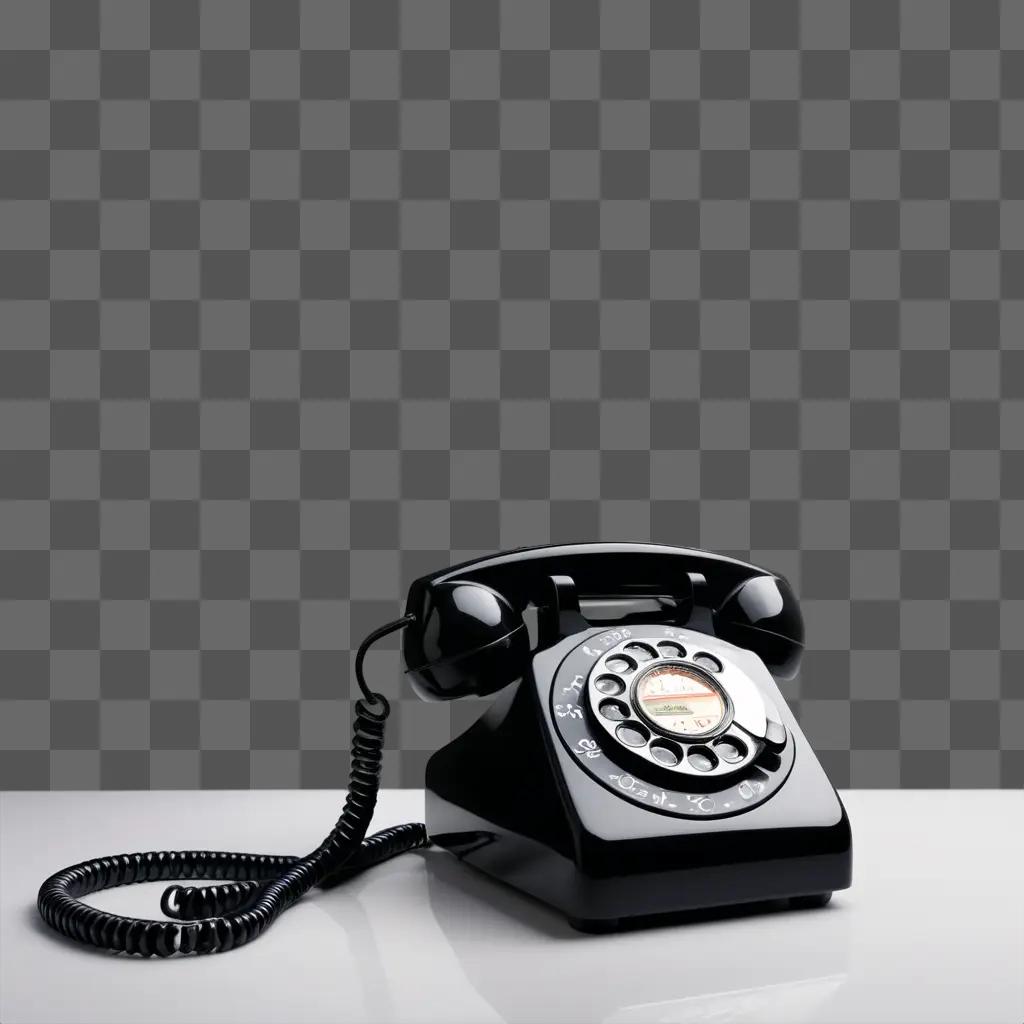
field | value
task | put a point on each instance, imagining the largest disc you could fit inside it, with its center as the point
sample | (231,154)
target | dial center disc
(680,700)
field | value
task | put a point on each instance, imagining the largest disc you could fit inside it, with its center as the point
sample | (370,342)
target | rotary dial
(682,710)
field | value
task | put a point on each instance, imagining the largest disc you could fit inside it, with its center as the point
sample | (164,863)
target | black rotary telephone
(645,763)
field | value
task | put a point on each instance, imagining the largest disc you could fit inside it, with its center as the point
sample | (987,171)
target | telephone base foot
(598,926)
(820,899)
(605,926)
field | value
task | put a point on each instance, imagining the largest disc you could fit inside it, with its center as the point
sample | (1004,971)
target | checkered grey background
(301,299)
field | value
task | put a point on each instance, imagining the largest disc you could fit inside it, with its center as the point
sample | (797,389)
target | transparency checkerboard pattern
(299,300)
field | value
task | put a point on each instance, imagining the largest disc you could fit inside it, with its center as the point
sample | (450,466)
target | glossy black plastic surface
(763,614)
(467,639)
(514,795)
(596,569)
(510,799)
(453,650)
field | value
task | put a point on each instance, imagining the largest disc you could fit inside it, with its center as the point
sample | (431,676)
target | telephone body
(641,760)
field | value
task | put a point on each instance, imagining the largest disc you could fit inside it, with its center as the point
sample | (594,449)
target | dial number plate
(710,765)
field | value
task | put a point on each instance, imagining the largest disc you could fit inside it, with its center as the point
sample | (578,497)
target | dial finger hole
(632,734)
(707,662)
(730,749)
(641,652)
(702,759)
(620,663)
(613,710)
(611,686)
(666,753)
(670,649)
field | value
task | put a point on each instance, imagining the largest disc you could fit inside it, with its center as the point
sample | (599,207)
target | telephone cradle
(639,765)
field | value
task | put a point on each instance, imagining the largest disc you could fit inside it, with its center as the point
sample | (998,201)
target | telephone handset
(644,763)
(469,636)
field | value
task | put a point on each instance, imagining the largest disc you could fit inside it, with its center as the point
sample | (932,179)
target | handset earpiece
(763,615)
(467,639)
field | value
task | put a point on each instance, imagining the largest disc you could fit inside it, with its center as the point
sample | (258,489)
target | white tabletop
(932,930)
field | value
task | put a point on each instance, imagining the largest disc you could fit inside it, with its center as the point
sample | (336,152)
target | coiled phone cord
(257,887)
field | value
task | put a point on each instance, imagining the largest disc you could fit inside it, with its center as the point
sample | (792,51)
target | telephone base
(610,925)
(670,894)
(821,899)
(622,903)
(502,798)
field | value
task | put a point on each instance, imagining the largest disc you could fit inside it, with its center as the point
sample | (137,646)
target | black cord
(368,695)
(256,887)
